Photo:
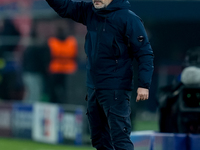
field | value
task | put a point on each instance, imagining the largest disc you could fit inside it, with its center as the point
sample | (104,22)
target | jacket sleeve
(141,50)
(77,11)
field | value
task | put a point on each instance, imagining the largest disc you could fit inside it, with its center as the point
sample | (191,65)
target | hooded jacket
(115,36)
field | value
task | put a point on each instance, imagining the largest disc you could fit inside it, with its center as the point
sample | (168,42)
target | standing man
(115,36)
(63,50)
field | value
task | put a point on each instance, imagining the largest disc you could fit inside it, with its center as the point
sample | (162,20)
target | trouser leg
(116,106)
(120,132)
(100,132)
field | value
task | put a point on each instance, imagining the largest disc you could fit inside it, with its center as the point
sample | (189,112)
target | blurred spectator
(11,85)
(9,37)
(35,66)
(63,62)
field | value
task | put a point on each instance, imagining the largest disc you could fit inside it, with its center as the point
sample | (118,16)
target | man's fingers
(146,96)
(142,97)
(142,94)
(138,98)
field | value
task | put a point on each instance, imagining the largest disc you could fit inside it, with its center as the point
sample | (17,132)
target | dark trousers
(108,113)
(58,88)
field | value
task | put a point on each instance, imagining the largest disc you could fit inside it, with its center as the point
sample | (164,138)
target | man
(63,50)
(115,36)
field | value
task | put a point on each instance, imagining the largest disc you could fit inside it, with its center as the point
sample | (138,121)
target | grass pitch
(19,144)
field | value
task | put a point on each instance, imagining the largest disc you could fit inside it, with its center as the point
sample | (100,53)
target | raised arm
(77,11)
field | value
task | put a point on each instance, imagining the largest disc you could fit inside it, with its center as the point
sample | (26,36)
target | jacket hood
(113,6)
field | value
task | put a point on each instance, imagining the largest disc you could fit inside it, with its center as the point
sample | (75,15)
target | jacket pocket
(121,106)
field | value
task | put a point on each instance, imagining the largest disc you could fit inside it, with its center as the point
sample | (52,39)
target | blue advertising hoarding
(22,120)
(73,124)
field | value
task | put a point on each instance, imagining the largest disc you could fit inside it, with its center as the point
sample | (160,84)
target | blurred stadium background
(42,105)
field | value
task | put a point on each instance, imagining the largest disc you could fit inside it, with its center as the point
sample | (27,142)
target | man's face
(98,4)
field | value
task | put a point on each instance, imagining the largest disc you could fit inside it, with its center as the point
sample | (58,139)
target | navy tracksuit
(115,36)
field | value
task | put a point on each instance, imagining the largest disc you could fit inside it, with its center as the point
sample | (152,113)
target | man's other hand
(142,94)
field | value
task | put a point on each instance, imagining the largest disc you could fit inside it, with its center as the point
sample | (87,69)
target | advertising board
(22,120)
(72,124)
(47,123)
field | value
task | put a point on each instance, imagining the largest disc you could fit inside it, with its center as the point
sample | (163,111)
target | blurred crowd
(34,65)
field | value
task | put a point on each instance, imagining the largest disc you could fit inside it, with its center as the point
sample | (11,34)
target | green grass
(19,144)
(146,125)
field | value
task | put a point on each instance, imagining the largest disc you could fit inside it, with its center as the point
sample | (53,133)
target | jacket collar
(113,6)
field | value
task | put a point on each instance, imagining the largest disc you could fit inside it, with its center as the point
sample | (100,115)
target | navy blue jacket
(115,35)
